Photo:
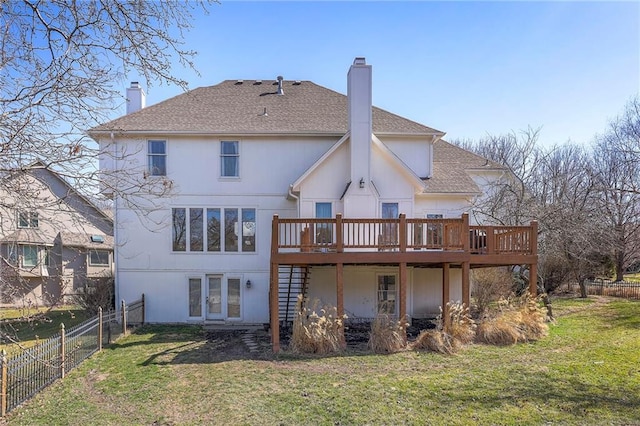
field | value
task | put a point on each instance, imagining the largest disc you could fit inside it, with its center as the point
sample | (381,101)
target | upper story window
(99,258)
(157,157)
(27,220)
(229,159)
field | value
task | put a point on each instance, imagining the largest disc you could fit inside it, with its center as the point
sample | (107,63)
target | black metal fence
(626,289)
(25,374)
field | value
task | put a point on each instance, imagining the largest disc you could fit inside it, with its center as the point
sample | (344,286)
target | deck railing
(345,234)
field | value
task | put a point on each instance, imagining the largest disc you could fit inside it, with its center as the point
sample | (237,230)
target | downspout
(295,197)
(116,287)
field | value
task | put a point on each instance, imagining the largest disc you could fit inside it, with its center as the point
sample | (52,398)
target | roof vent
(239,82)
(297,83)
(280,90)
(263,113)
(257,82)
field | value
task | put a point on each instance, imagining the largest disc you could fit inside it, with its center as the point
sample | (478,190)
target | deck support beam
(340,298)
(274,309)
(402,308)
(446,294)
(466,285)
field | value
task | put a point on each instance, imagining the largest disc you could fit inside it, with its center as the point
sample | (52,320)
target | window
(213,229)
(389,230)
(179,229)
(233,298)
(195,230)
(434,231)
(248,230)
(387,294)
(157,157)
(29,256)
(324,231)
(231,228)
(229,159)
(27,220)
(195,297)
(99,257)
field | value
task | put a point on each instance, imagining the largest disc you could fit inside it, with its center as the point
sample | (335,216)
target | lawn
(41,324)
(587,372)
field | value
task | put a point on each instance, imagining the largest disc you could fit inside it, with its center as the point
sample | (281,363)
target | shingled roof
(238,107)
(450,169)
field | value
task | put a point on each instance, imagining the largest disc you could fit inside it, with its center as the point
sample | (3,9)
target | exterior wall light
(361,182)
(248,283)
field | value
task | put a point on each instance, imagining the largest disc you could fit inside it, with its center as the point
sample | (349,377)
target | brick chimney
(136,99)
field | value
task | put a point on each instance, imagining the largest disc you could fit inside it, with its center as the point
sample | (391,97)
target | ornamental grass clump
(517,320)
(449,336)
(387,334)
(317,331)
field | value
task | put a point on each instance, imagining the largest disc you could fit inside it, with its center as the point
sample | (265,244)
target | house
(279,187)
(54,241)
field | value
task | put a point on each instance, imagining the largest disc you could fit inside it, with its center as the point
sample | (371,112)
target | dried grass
(317,331)
(387,335)
(518,320)
(449,336)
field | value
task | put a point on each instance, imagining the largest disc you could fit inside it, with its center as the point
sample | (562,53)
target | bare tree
(62,69)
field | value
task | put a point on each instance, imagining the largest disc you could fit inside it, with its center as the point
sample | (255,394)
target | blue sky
(466,68)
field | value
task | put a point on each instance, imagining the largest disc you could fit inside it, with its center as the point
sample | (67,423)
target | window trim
(22,256)
(239,228)
(378,292)
(90,261)
(223,156)
(30,218)
(149,169)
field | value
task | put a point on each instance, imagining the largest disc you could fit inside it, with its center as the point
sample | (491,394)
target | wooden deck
(417,242)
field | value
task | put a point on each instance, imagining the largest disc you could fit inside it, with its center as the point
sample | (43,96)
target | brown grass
(317,331)
(518,320)
(387,334)
(449,336)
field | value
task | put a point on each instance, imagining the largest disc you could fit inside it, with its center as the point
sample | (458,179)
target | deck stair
(292,281)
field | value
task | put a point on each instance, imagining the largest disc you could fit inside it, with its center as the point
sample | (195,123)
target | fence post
(99,328)
(62,350)
(142,309)
(124,317)
(4,378)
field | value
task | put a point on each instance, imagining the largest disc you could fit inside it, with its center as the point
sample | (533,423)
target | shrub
(97,293)
(317,333)
(448,336)
(387,334)
(518,320)
(488,286)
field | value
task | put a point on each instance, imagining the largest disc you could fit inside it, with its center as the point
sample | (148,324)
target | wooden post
(4,378)
(99,328)
(445,295)
(123,309)
(274,313)
(340,298)
(143,303)
(274,319)
(466,288)
(339,234)
(402,233)
(466,244)
(533,268)
(402,308)
(62,350)
(491,240)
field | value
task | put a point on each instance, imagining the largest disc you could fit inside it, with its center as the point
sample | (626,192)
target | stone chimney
(360,122)
(136,99)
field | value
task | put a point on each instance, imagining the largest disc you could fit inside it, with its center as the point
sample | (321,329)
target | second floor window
(229,159)
(157,157)
(216,229)
(99,258)
(27,220)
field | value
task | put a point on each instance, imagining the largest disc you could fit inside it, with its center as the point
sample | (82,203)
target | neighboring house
(53,240)
(370,205)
